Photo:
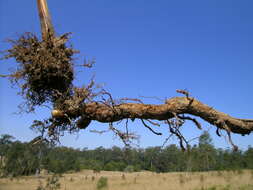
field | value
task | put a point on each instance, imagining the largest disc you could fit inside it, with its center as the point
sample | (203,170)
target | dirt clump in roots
(45,71)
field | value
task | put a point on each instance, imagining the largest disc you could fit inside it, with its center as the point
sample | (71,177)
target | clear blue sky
(148,48)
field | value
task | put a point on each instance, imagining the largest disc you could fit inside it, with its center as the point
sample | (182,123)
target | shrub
(52,183)
(102,183)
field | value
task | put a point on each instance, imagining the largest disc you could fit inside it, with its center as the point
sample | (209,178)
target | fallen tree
(45,75)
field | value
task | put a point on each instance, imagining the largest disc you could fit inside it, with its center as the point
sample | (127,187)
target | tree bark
(45,19)
(171,108)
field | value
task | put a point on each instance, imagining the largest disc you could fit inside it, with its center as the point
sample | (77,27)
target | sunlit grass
(86,180)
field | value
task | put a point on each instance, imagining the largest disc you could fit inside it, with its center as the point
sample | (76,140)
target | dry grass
(87,180)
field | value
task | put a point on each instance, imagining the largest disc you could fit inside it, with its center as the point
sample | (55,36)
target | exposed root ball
(45,70)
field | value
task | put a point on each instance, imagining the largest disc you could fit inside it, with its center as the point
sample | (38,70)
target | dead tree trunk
(45,19)
(174,107)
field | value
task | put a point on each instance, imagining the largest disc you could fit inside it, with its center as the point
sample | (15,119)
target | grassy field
(87,180)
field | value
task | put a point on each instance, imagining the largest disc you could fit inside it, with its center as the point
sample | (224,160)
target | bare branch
(231,142)
(125,137)
(156,133)
(184,92)
(191,119)
(153,123)
(99,132)
(131,99)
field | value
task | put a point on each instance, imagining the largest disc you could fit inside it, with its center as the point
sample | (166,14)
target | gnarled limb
(174,106)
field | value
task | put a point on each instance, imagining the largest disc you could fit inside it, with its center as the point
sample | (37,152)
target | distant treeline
(18,158)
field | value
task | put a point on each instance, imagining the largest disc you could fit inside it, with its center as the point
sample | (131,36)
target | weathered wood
(45,19)
(171,108)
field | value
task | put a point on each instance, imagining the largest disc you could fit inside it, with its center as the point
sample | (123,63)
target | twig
(153,123)
(191,119)
(157,133)
(231,142)
(131,99)
(99,132)
(152,97)
(166,140)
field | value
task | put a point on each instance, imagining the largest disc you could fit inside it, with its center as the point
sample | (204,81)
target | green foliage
(20,160)
(248,155)
(62,159)
(17,158)
(114,166)
(102,183)
(53,183)
(205,139)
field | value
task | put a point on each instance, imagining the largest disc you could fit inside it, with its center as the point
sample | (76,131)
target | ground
(87,180)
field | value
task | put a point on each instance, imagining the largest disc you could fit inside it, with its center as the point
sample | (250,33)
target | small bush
(102,183)
(52,183)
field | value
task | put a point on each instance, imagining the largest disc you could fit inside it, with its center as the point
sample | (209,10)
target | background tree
(22,159)
(207,152)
